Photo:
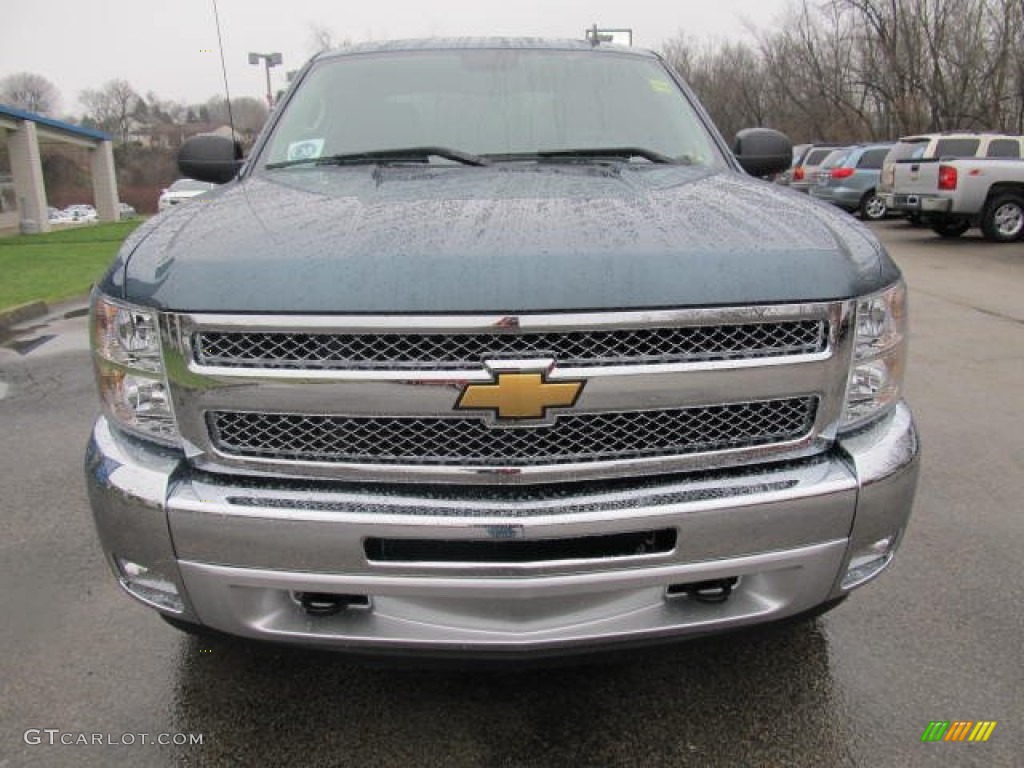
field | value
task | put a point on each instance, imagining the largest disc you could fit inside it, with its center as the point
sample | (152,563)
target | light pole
(270,60)
(597,36)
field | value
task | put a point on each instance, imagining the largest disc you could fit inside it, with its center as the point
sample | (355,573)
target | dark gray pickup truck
(493,347)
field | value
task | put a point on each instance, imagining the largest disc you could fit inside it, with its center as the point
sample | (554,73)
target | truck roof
(481,43)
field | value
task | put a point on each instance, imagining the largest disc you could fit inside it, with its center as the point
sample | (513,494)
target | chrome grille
(270,349)
(583,437)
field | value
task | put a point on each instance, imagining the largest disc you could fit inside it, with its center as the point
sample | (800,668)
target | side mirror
(763,151)
(210,158)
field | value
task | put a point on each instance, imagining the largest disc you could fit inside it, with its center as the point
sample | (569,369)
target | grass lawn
(57,265)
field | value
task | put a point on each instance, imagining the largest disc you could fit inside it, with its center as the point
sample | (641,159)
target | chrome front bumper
(237,551)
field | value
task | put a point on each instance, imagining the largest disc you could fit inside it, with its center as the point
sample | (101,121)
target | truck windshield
(498,104)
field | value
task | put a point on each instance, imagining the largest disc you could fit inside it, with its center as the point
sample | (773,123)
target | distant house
(172,135)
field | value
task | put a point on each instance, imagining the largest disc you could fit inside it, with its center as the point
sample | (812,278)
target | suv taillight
(798,173)
(947,178)
(842,173)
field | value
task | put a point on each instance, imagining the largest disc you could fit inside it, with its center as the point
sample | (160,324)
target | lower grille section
(583,437)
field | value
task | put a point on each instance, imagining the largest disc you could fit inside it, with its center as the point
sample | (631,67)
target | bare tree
(249,114)
(322,38)
(152,109)
(30,92)
(729,78)
(111,107)
(867,69)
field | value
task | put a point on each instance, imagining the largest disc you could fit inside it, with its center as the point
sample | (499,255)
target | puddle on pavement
(24,346)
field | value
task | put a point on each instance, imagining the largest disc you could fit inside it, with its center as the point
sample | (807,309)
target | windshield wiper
(610,152)
(422,154)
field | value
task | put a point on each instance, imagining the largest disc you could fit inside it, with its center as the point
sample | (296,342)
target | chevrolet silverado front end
(395,397)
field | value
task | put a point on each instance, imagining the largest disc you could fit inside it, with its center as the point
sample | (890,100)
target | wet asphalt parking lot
(936,638)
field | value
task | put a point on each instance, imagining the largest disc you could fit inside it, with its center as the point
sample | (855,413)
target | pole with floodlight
(269,60)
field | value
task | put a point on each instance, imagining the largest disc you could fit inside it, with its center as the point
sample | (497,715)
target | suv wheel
(872,208)
(953,227)
(1003,219)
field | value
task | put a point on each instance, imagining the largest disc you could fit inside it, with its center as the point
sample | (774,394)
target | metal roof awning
(48,128)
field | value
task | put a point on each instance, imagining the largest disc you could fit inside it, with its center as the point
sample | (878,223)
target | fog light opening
(145,585)
(329,603)
(867,563)
(709,591)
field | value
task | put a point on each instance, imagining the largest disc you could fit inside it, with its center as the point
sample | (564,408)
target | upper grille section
(454,350)
(373,398)
(571,439)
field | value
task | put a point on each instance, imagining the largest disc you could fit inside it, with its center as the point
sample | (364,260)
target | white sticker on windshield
(308,149)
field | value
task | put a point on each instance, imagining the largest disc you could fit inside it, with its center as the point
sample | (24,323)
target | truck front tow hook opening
(329,603)
(710,591)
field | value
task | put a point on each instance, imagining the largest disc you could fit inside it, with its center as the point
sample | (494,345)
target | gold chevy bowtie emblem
(520,395)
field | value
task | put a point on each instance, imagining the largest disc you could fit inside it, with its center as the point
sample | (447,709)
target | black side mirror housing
(216,159)
(763,151)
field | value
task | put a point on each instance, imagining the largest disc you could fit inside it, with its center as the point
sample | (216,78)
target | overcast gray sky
(170,47)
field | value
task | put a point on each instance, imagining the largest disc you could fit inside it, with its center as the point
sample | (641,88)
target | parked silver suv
(851,181)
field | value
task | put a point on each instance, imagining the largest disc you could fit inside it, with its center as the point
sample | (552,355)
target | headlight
(130,370)
(880,349)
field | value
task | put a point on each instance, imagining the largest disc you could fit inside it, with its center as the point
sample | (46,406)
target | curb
(31,311)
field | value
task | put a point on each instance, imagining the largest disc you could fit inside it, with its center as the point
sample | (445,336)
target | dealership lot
(937,638)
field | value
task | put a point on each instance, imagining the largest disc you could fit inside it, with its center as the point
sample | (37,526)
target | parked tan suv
(805,170)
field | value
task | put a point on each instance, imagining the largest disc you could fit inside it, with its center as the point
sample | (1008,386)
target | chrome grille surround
(614,387)
(461,441)
(577,348)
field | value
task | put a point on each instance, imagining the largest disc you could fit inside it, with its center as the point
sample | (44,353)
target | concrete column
(27,170)
(104,182)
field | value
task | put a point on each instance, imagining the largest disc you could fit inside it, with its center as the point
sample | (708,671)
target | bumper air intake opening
(328,603)
(633,544)
(710,591)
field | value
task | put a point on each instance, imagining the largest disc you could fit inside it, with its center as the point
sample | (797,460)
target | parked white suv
(81,212)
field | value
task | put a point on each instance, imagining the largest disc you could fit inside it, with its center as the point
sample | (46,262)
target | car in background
(910,173)
(803,175)
(57,216)
(81,213)
(985,192)
(181,191)
(832,159)
(850,180)
(125,212)
(786,176)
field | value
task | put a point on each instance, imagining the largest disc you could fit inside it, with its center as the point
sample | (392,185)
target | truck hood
(512,238)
